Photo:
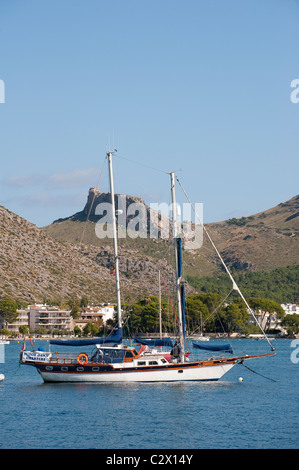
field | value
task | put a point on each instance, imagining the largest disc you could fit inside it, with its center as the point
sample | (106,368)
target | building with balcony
(49,317)
(20,321)
(97,314)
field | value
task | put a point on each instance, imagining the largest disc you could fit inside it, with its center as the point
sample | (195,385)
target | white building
(97,314)
(20,321)
(49,317)
(290,309)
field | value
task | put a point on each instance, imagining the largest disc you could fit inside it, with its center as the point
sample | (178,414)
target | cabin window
(79,369)
(152,363)
(180,371)
(49,367)
(95,369)
(129,354)
(141,363)
(113,355)
(64,369)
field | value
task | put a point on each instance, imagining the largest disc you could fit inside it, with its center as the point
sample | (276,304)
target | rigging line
(213,312)
(235,286)
(219,319)
(142,164)
(91,205)
(242,363)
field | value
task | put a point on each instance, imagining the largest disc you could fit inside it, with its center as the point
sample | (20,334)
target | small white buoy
(240,379)
(2,377)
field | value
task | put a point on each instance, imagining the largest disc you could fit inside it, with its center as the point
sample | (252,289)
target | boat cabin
(114,355)
(120,355)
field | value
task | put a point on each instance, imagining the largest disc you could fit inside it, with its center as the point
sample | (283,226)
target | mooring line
(242,363)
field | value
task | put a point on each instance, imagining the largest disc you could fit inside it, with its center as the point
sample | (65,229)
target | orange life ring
(82,359)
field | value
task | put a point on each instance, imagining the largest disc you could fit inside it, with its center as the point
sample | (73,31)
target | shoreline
(194,337)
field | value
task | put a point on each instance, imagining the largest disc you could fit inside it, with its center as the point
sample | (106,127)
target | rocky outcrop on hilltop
(131,211)
(264,241)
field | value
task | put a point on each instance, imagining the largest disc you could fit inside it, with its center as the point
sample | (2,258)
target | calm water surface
(254,414)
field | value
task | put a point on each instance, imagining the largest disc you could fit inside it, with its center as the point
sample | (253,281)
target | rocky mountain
(264,241)
(36,267)
(67,259)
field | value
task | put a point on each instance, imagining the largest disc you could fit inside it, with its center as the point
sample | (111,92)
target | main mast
(176,237)
(109,155)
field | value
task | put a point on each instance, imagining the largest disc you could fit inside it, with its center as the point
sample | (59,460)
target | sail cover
(211,347)
(180,263)
(116,338)
(155,342)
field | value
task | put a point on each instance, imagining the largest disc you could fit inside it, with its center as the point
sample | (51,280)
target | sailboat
(201,336)
(112,360)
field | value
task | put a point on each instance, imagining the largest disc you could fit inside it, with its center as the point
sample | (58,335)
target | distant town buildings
(98,314)
(290,309)
(20,321)
(271,321)
(51,318)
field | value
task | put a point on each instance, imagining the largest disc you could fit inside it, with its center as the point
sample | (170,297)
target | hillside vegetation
(281,284)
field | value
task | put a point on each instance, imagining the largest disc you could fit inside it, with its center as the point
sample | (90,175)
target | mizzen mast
(177,245)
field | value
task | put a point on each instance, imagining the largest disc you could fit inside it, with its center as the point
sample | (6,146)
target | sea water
(254,413)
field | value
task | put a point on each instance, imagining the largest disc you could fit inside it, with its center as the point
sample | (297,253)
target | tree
(291,324)
(234,317)
(266,305)
(5,332)
(196,313)
(8,310)
(73,304)
(75,312)
(143,316)
(84,301)
(215,316)
(90,329)
(77,330)
(281,284)
(23,329)
(41,330)
(207,305)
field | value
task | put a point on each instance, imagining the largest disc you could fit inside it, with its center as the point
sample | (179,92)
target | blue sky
(199,87)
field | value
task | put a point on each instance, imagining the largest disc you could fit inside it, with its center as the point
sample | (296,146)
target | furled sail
(154,342)
(182,287)
(116,338)
(210,347)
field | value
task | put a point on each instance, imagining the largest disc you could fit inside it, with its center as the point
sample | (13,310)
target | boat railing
(69,358)
(65,358)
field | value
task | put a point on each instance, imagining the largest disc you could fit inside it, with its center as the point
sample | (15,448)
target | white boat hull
(196,373)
